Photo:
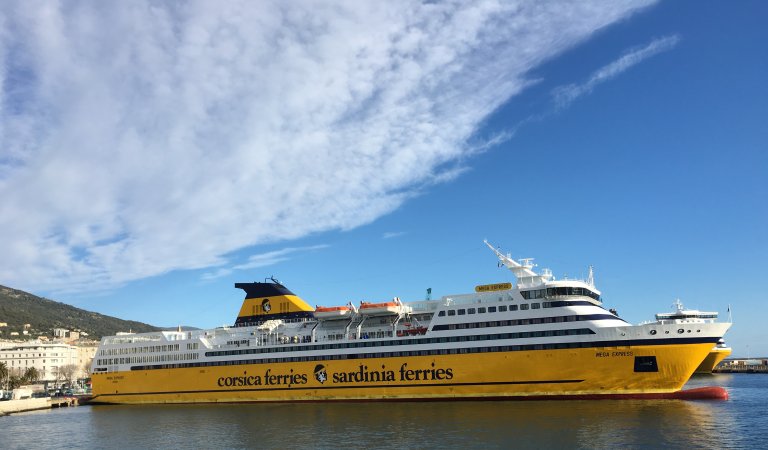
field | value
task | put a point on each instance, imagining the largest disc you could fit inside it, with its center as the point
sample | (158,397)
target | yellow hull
(716,355)
(536,373)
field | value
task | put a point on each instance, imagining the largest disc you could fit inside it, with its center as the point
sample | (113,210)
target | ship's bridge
(562,288)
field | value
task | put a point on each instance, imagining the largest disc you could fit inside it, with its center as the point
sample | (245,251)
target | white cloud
(137,138)
(392,234)
(565,95)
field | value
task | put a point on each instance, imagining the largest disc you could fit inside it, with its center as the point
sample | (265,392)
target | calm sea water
(740,422)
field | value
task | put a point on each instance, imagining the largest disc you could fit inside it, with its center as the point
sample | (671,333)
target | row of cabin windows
(145,359)
(444,351)
(147,349)
(481,310)
(558,292)
(504,308)
(518,322)
(490,309)
(399,342)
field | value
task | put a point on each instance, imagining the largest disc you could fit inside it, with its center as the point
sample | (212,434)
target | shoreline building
(46,358)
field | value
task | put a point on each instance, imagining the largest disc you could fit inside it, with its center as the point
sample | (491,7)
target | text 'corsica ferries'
(540,338)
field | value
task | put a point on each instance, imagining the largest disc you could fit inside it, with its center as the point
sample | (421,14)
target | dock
(34,404)
(742,366)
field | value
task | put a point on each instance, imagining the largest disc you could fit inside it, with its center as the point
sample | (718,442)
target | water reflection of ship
(696,424)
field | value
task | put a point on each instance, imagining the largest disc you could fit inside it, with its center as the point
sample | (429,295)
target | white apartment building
(47,358)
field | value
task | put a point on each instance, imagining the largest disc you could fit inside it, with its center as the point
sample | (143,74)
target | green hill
(18,308)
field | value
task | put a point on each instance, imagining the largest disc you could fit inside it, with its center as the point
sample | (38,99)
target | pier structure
(743,365)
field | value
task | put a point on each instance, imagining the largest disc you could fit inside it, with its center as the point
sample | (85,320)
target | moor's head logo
(266,306)
(320,373)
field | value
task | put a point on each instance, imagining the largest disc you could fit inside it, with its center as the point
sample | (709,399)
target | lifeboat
(412,331)
(382,309)
(332,312)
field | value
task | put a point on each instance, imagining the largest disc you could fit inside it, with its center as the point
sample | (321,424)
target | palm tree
(31,375)
(13,382)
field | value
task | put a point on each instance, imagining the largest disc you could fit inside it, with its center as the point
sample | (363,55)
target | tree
(31,376)
(3,374)
(68,372)
(14,382)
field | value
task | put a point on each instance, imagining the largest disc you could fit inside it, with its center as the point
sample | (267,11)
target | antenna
(591,276)
(522,270)
(429,294)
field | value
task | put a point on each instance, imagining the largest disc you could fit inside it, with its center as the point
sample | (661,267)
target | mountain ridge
(18,307)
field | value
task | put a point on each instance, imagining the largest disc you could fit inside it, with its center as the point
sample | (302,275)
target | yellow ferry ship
(538,338)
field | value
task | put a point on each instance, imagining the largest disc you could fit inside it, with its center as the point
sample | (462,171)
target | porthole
(680,331)
(666,332)
(653,331)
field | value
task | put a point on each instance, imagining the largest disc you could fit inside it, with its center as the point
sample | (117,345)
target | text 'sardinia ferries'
(541,338)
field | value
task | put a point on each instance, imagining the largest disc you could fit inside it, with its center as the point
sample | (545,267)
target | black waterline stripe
(478,338)
(492,383)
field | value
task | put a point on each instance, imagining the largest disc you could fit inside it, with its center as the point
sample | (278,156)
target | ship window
(471,311)
(480,310)
(513,307)
(441,314)
(502,308)
(451,312)
(524,307)
(462,312)
(646,364)
(535,305)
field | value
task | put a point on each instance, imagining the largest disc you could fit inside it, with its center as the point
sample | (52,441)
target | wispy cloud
(142,137)
(392,234)
(261,260)
(565,95)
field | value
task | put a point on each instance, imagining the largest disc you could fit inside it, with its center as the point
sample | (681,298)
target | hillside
(19,307)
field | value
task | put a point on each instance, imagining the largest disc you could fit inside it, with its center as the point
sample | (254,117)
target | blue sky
(151,156)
